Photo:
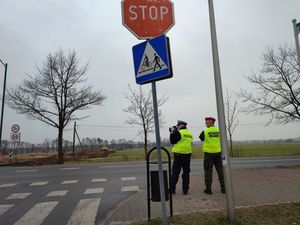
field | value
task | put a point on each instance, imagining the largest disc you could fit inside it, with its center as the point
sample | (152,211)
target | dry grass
(280,214)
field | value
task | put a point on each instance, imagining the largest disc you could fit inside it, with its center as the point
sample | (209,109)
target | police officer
(182,139)
(212,154)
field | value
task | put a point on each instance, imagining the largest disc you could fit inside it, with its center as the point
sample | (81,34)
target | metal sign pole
(160,169)
(221,115)
(296,32)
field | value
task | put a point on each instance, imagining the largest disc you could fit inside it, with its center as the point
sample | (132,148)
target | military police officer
(182,139)
(212,154)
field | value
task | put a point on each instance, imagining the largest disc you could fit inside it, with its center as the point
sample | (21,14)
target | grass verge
(279,214)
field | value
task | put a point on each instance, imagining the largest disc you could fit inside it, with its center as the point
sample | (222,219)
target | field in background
(240,150)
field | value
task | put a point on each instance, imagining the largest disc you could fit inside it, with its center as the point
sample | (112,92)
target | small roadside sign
(152,60)
(15,128)
(15,137)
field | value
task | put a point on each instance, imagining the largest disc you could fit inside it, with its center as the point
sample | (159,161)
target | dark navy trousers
(181,161)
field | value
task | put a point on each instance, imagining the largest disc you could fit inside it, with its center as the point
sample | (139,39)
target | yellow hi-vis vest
(212,142)
(184,146)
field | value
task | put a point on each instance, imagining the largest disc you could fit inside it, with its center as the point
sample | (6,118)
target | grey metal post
(160,168)
(296,32)
(3,101)
(221,116)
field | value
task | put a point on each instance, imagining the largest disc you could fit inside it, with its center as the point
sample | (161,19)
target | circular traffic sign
(15,128)
(15,137)
(148,19)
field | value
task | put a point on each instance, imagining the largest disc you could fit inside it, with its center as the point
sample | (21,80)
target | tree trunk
(145,144)
(231,149)
(60,146)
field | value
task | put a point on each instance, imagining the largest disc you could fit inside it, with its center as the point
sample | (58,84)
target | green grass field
(273,149)
(240,150)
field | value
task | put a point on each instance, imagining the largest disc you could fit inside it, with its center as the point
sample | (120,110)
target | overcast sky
(30,29)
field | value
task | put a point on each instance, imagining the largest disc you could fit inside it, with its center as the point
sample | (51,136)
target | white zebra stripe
(94,191)
(70,168)
(24,171)
(85,212)
(4,208)
(130,188)
(37,214)
(7,185)
(69,182)
(99,180)
(127,178)
(57,193)
(39,183)
(18,196)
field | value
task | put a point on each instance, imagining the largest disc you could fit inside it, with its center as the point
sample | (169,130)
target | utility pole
(74,131)
(3,101)
(221,115)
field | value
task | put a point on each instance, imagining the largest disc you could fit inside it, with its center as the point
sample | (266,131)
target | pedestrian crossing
(18,196)
(64,182)
(7,185)
(4,208)
(69,182)
(37,214)
(39,183)
(84,213)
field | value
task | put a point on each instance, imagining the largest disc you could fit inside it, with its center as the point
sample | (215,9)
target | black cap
(181,122)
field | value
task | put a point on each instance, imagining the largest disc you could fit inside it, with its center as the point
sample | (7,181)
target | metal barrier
(155,190)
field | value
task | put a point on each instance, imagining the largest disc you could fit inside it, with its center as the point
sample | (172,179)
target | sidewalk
(252,187)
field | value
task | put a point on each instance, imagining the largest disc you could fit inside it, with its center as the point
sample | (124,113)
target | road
(84,193)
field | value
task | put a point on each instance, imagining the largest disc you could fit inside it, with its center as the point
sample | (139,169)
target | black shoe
(223,191)
(173,192)
(185,192)
(208,191)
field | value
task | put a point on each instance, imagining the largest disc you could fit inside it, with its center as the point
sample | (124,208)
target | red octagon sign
(148,18)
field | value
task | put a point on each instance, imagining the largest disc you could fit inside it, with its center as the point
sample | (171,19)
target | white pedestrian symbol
(151,62)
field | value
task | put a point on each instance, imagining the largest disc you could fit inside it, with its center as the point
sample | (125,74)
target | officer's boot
(223,189)
(207,191)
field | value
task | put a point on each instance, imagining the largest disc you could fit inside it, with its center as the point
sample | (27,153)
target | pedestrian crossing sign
(152,60)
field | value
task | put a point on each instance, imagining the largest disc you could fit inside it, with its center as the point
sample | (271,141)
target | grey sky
(30,29)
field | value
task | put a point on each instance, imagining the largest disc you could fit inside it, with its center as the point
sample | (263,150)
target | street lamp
(221,114)
(296,33)
(3,99)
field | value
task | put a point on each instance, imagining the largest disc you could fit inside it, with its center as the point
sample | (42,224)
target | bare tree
(231,111)
(55,92)
(277,87)
(141,110)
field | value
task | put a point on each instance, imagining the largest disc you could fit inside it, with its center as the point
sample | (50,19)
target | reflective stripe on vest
(184,146)
(212,142)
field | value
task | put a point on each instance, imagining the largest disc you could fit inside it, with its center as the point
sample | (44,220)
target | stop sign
(148,18)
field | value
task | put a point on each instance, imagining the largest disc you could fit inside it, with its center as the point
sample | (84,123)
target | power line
(138,127)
